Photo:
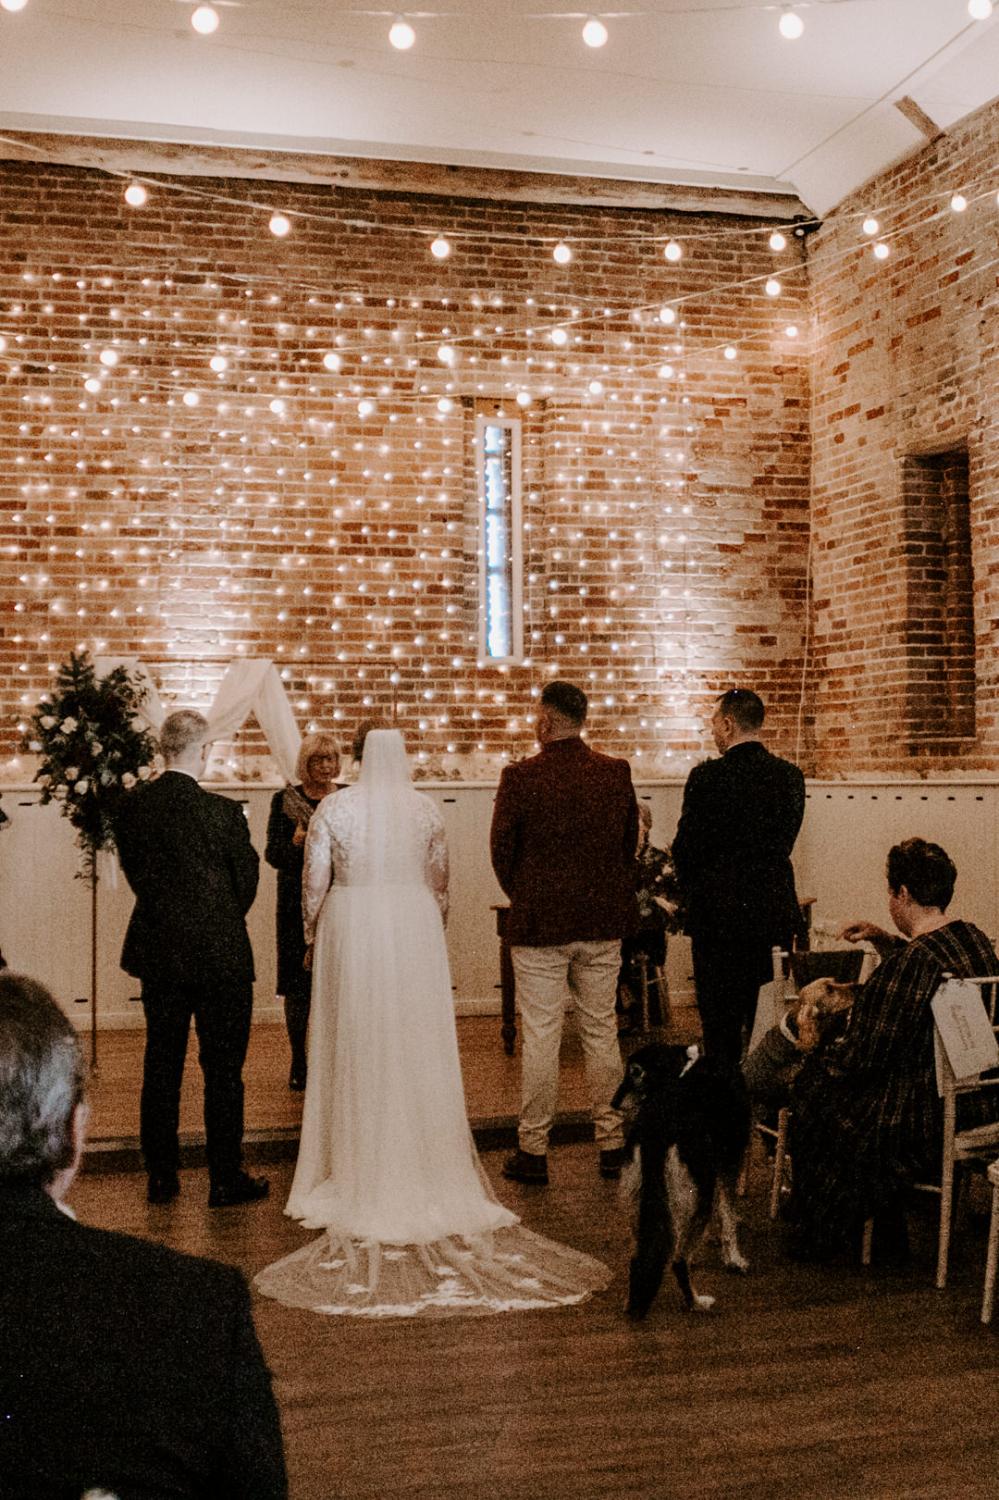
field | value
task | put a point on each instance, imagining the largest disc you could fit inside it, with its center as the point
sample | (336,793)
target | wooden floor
(831,1384)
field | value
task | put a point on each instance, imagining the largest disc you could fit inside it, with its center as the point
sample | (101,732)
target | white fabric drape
(250,686)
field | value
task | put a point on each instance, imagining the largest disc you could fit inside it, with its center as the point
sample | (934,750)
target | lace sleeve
(437,868)
(316,873)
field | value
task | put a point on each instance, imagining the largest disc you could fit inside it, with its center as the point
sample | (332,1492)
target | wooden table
(508,989)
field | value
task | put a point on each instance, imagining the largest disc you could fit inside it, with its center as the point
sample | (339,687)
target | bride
(387,1167)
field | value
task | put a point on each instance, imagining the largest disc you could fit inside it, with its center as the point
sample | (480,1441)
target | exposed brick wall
(667,518)
(906,365)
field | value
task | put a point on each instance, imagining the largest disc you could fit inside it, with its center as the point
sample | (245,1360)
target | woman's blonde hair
(319,743)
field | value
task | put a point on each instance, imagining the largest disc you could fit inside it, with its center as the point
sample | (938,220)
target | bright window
(501,626)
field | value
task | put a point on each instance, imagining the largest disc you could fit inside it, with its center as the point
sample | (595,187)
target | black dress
(294,982)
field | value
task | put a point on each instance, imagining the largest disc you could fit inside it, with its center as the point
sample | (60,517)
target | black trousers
(728,973)
(222,1022)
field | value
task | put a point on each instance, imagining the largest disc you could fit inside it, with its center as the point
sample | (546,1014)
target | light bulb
(440,248)
(559,337)
(673,251)
(791,331)
(444,405)
(523,398)
(978,10)
(773,287)
(594,32)
(667,315)
(870,225)
(881,250)
(790,25)
(191,398)
(277,406)
(108,357)
(332,361)
(959,203)
(13,5)
(562,255)
(136,195)
(666,372)
(401,34)
(596,387)
(91,385)
(218,363)
(777,241)
(365,408)
(279,225)
(731,352)
(446,354)
(205,20)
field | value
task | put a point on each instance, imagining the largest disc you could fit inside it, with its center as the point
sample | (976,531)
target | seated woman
(658,897)
(867,1119)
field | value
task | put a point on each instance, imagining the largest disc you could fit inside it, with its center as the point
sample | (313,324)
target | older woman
(291,809)
(866,1115)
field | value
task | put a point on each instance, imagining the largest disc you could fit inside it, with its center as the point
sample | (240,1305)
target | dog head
(650,1070)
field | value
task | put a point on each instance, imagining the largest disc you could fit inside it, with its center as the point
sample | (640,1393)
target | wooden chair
(992,1258)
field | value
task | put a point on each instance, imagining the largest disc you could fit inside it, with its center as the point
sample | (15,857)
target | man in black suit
(732,851)
(187,855)
(125,1368)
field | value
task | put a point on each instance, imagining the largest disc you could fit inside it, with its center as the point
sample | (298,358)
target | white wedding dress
(386,1165)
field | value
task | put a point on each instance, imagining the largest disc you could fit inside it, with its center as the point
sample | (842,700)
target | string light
(279,225)
(673,252)
(559,337)
(108,357)
(205,20)
(778,241)
(562,255)
(667,315)
(958,203)
(870,225)
(13,5)
(136,195)
(882,250)
(773,287)
(731,352)
(594,32)
(790,24)
(218,363)
(791,331)
(401,34)
(332,360)
(440,248)
(980,10)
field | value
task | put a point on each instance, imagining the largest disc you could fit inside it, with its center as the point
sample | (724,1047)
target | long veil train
(387,1168)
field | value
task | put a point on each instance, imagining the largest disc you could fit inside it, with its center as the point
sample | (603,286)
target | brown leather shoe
(527,1166)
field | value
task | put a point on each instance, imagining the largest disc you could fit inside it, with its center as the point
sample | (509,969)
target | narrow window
(501,625)
(940,624)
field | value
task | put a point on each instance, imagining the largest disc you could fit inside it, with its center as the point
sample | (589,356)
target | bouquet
(92,748)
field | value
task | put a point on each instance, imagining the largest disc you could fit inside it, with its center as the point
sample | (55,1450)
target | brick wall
(906,367)
(667,517)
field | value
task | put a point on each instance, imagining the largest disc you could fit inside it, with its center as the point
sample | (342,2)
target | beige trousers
(590,970)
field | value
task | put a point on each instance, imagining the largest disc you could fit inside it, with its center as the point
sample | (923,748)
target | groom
(187,855)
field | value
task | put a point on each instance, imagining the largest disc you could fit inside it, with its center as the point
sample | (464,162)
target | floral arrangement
(92,750)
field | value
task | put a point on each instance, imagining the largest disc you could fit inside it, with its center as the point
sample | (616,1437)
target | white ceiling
(685,91)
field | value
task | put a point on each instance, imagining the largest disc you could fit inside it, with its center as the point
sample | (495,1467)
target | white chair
(992,1258)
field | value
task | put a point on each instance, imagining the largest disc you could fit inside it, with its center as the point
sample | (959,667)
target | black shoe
(611,1162)
(297,1077)
(163,1189)
(244,1189)
(527,1166)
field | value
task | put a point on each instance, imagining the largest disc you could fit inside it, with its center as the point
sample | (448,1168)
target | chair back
(842,965)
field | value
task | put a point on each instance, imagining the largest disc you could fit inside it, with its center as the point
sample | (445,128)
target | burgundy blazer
(563,842)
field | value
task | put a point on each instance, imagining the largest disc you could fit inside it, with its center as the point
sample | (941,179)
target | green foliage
(93,750)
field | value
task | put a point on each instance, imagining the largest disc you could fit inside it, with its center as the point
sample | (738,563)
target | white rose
(145,772)
(81,786)
(72,772)
(48,722)
(96,747)
(35,745)
(59,792)
(127,780)
(44,780)
(67,726)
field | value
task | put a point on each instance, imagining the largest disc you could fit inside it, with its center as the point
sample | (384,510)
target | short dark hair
(360,735)
(566,699)
(745,707)
(927,872)
(41,1082)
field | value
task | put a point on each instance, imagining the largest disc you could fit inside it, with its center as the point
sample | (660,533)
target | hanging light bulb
(870,225)
(596,387)
(136,195)
(561,255)
(205,20)
(191,398)
(881,250)
(332,361)
(731,352)
(594,32)
(446,354)
(13,5)
(109,357)
(673,251)
(445,405)
(666,372)
(280,225)
(667,315)
(218,363)
(523,398)
(959,203)
(791,331)
(92,385)
(773,287)
(778,241)
(790,24)
(365,408)
(978,10)
(401,34)
(440,248)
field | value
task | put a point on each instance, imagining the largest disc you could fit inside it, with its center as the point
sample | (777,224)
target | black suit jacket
(563,841)
(126,1366)
(187,855)
(732,851)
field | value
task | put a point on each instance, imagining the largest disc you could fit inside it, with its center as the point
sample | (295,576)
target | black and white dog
(688,1134)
